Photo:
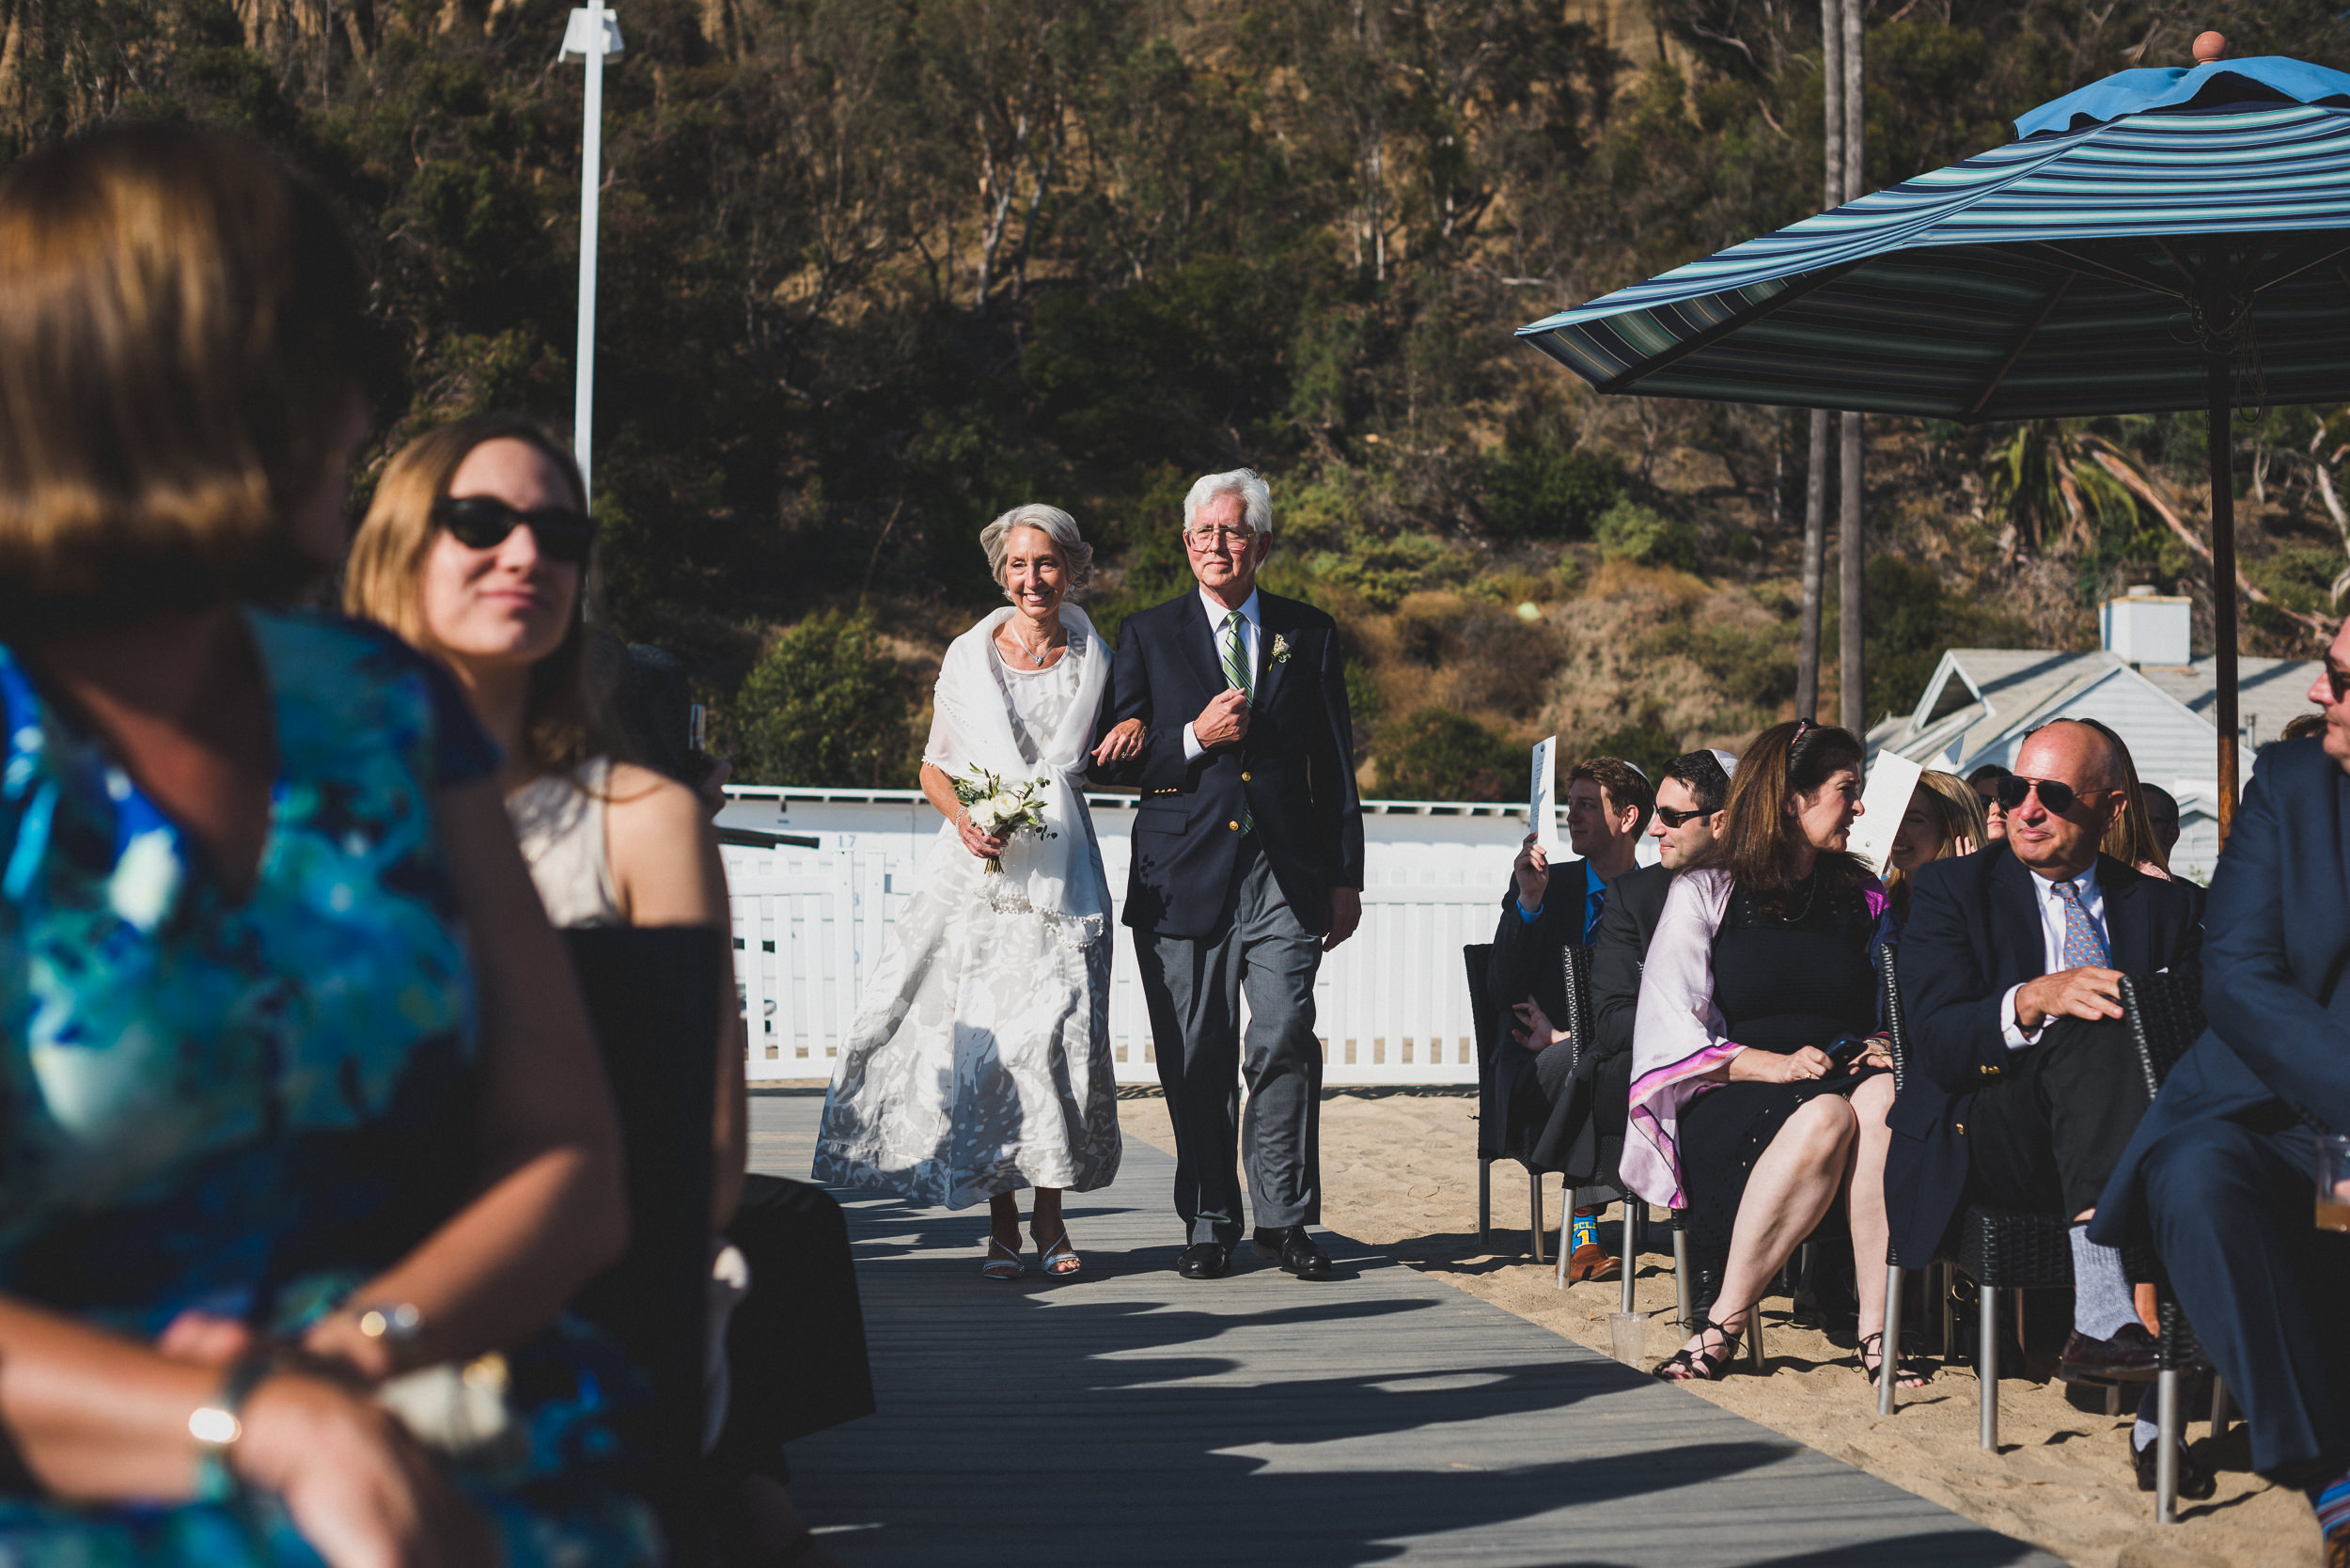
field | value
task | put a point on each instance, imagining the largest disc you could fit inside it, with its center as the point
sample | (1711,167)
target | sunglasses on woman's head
(1671,818)
(483,523)
(2056,795)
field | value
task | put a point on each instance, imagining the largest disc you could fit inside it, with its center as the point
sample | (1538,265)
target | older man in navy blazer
(1247,865)
(2219,1175)
(2025,1089)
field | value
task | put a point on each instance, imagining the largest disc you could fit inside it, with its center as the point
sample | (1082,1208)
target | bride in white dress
(979,1062)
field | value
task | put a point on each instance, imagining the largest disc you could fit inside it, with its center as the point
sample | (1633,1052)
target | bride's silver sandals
(1060,1260)
(1002,1261)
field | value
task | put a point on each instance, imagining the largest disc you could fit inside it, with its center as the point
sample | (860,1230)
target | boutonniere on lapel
(1280,649)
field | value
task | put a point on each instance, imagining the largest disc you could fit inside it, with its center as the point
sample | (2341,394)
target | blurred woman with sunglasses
(299,1110)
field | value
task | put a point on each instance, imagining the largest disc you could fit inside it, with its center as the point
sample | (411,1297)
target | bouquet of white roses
(1001,810)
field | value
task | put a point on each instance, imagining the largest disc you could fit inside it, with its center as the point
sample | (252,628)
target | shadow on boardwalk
(1131,1417)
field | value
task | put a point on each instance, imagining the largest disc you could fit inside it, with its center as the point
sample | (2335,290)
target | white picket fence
(1391,1005)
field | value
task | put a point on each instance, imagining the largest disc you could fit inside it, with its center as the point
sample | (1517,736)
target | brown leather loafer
(2130,1355)
(1592,1262)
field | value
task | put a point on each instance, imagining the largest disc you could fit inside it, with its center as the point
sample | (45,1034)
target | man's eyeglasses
(2338,680)
(2056,795)
(483,523)
(1671,818)
(1208,539)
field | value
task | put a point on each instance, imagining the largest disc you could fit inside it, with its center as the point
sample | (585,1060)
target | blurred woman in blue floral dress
(299,1110)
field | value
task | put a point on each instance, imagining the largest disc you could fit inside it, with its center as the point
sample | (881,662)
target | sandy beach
(1400,1173)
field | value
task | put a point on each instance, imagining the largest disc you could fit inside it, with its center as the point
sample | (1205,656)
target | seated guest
(2132,839)
(2220,1173)
(2025,1087)
(297,1093)
(1985,782)
(2162,814)
(1756,1095)
(1607,805)
(1944,821)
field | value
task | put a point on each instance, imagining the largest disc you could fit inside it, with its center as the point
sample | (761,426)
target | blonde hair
(1054,524)
(180,333)
(2130,837)
(1960,808)
(383,579)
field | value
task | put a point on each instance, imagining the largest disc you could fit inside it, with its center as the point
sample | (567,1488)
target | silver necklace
(1036,660)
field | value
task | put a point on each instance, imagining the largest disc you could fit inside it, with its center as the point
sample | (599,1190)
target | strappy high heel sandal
(1002,1261)
(1684,1366)
(1060,1260)
(1907,1373)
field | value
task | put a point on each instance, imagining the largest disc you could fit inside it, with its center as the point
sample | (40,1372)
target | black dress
(1781,983)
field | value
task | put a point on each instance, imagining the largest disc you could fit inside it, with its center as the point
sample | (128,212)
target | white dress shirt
(2052,944)
(1248,625)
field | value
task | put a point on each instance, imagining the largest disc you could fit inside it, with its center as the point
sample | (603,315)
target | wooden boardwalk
(1132,1417)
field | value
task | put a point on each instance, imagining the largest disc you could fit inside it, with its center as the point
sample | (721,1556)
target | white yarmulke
(1728,760)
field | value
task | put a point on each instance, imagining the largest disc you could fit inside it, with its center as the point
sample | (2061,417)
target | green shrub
(828,706)
(1645,748)
(1538,493)
(1629,531)
(1437,754)
(1384,570)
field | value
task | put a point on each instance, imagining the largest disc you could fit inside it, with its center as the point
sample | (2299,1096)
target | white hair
(1256,497)
(1076,555)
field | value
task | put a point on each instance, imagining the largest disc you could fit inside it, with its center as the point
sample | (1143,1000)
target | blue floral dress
(250,1105)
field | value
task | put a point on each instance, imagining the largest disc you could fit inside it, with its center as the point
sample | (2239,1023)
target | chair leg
(1892,1339)
(1945,1287)
(2218,1407)
(1534,1224)
(1485,1200)
(1754,1338)
(1987,1367)
(1635,1229)
(1684,1289)
(1566,1220)
(2113,1399)
(2167,1445)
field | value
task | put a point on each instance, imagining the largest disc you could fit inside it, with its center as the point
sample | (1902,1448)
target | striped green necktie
(1234,651)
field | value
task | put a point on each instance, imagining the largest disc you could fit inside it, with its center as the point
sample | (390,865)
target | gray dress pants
(1193,986)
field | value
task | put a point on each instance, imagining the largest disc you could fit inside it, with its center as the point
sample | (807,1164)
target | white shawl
(1054,877)
(1678,1035)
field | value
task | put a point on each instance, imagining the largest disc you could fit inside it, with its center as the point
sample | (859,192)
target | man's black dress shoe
(1204,1260)
(1294,1249)
(2131,1353)
(2194,1480)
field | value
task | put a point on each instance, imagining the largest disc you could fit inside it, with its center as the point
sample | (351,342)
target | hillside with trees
(875,270)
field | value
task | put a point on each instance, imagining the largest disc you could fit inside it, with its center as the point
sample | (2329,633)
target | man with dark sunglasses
(2025,1089)
(2220,1175)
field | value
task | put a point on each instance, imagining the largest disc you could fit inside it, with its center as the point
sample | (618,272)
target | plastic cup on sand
(1627,1338)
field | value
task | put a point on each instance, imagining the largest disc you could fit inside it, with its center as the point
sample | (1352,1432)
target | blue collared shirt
(1594,901)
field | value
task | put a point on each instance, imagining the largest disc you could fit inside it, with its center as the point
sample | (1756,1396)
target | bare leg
(1003,1219)
(1045,1225)
(1790,1186)
(1864,1201)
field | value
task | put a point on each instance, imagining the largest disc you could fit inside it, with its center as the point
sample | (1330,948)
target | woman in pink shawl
(1758,1088)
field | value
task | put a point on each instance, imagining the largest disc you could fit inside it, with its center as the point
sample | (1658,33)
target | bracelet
(217,1425)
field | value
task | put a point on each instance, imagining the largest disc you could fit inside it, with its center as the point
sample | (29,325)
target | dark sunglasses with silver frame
(2056,795)
(483,523)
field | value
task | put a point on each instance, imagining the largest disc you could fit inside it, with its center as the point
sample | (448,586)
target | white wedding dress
(980,1060)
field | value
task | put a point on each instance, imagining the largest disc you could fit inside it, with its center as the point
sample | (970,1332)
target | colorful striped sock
(2332,1502)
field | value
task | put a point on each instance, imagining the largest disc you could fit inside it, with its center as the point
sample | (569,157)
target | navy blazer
(1973,932)
(1619,953)
(2273,967)
(1293,774)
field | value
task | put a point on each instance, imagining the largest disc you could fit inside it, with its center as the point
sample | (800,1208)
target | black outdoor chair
(1999,1250)
(2165,1016)
(652,994)
(1576,962)
(1493,1135)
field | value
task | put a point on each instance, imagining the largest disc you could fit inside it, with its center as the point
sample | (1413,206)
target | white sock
(2142,1435)
(2101,1304)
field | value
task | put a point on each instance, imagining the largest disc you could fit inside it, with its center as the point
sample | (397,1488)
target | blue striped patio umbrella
(2161,240)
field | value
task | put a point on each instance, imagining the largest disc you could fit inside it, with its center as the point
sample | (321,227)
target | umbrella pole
(2220,443)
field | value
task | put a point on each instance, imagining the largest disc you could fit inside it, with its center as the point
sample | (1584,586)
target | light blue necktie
(2084,944)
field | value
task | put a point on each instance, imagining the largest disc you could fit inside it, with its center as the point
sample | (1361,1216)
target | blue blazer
(2273,967)
(1973,932)
(1293,775)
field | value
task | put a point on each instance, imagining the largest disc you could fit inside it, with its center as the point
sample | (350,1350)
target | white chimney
(2146,628)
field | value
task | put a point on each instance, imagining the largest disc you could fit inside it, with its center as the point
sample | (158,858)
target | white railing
(1391,1005)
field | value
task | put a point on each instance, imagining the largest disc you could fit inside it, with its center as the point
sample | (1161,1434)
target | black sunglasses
(483,523)
(2056,795)
(1671,818)
(2338,680)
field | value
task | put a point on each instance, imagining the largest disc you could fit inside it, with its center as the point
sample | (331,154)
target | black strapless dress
(1781,984)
